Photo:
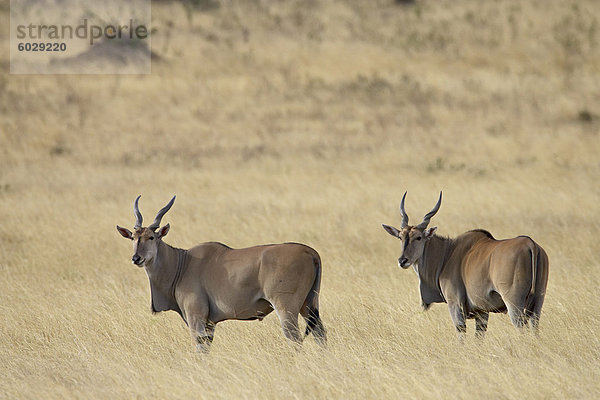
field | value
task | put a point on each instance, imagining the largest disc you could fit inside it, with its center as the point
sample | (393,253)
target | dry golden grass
(306,121)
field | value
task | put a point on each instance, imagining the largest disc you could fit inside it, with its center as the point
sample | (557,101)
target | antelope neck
(435,255)
(167,269)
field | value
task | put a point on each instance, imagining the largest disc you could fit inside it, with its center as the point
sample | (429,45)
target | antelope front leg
(458,317)
(202,332)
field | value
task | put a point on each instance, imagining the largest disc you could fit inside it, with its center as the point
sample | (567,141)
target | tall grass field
(306,121)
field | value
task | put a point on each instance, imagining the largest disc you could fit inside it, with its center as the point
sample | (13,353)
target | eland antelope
(212,282)
(474,273)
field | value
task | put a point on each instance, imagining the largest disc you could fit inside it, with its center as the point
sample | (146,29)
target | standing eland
(212,282)
(475,273)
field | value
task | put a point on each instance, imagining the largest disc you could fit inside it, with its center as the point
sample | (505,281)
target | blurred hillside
(252,79)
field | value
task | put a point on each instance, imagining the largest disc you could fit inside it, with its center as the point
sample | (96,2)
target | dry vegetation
(306,121)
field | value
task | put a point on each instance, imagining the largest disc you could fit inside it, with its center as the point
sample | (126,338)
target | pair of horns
(427,217)
(156,223)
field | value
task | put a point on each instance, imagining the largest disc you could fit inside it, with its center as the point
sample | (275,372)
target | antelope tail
(314,324)
(539,267)
(312,299)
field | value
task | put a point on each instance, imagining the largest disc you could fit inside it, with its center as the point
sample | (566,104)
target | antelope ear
(162,232)
(126,233)
(430,232)
(391,230)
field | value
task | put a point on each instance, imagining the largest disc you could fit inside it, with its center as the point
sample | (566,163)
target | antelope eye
(419,238)
(151,238)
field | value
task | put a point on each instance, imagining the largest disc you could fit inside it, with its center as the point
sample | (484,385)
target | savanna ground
(306,121)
